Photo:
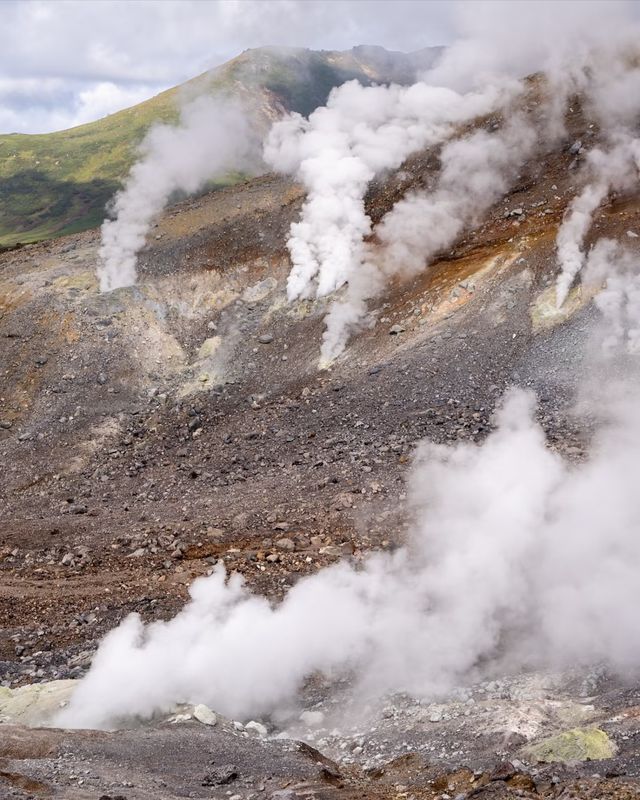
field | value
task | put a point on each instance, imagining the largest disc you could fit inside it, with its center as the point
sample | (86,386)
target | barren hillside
(149,432)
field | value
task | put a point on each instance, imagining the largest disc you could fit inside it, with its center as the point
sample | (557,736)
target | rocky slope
(147,433)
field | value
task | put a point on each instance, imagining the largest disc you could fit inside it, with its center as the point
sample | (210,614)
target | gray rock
(221,776)
(240,521)
(204,714)
(575,148)
(394,330)
(265,338)
(286,544)
(259,291)
(336,551)
(256,727)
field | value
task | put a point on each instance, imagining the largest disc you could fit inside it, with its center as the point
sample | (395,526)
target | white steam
(343,146)
(614,169)
(339,150)
(214,137)
(619,300)
(608,82)
(517,559)
(517,547)
(475,172)
(363,131)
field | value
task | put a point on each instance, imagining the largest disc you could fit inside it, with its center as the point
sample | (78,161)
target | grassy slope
(57,183)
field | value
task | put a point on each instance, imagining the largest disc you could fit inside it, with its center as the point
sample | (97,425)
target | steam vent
(319,390)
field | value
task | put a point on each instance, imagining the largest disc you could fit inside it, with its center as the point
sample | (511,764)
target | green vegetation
(58,183)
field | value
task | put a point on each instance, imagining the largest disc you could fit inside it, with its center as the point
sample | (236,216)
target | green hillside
(57,183)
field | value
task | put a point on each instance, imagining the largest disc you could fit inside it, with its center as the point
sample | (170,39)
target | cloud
(36,105)
(159,43)
(105,98)
(154,44)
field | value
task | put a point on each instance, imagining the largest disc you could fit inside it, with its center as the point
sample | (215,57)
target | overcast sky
(65,62)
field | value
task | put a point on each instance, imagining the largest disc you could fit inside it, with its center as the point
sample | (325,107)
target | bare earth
(147,433)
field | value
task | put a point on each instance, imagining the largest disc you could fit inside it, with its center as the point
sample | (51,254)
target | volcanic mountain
(148,433)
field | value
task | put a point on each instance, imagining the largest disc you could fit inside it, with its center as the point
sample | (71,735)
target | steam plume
(608,80)
(475,172)
(619,300)
(213,138)
(613,169)
(517,559)
(339,150)
(495,38)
